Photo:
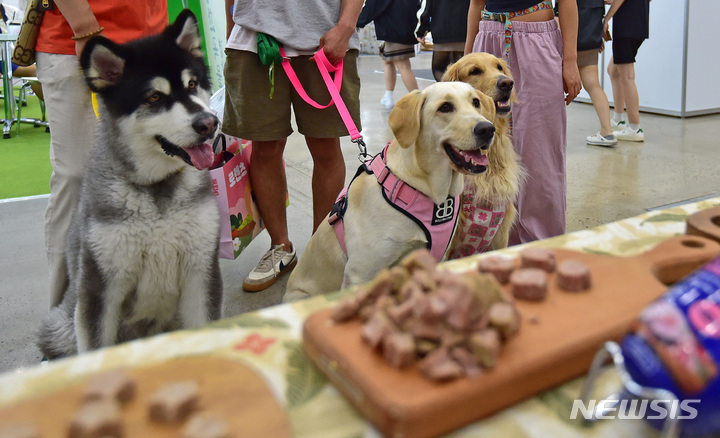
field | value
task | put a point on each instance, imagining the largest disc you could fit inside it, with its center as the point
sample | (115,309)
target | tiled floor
(677,162)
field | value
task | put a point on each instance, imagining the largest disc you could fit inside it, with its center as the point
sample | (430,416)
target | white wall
(660,72)
(703,56)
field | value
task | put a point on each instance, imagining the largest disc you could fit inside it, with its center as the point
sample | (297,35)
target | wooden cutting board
(229,389)
(557,341)
(705,223)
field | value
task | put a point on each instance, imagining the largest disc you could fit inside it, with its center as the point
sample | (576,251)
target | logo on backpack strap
(444,212)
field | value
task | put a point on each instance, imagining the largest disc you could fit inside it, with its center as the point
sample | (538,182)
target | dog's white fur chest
(152,248)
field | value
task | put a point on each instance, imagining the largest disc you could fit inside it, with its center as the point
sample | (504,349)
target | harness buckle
(338,210)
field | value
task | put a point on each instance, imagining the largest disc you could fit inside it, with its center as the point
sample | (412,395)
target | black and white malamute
(143,243)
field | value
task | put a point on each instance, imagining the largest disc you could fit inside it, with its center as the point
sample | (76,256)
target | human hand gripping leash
(333,86)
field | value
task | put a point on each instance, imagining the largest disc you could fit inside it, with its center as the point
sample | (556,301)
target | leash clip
(363,155)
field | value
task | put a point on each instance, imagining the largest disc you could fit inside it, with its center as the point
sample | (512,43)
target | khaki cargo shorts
(251,114)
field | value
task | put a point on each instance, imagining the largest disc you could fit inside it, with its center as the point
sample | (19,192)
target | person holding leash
(258,107)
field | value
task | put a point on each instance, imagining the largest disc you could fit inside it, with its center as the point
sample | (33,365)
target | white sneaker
(630,134)
(274,263)
(617,126)
(599,140)
(387,101)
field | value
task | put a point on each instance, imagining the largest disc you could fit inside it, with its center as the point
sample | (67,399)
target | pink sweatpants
(539,122)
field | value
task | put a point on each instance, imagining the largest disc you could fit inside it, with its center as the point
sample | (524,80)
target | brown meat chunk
(398,276)
(345,310)
(487,289)
(204,425)
(573,276)
(399,349)
(20,431)
(423,329)
(529,284)
(376,328)
(174,402)
(116,384)
(500,267)
(485,346)
(399,313)
(96,419)
(419,259)
(466,360)
(440,366)
(504,317)
(540,258)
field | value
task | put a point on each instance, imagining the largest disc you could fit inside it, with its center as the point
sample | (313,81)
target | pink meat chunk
(541,258)
(529,284)
(573,276)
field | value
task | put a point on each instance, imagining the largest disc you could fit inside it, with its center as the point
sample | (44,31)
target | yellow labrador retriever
(441,133)
(488,200)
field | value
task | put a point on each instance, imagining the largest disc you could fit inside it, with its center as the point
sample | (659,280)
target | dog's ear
(452,73)
(487,104)
(102,62)
(186,33)
(404,119)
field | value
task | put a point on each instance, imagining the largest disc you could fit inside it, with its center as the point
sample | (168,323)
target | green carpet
(25,158)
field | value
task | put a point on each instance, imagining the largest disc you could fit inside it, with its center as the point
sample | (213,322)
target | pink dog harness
(438,221)
(479,228)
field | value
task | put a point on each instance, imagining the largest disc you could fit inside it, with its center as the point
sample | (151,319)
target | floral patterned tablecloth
(270,341)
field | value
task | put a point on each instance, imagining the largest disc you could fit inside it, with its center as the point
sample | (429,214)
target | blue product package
(675,345)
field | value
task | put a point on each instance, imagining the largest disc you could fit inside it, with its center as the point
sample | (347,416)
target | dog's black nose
(205,124)
(505,84)
(484,132)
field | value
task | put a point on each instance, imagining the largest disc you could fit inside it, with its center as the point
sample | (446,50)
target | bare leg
(591,83)
(267,177)
(617,86)
(328,175)
(390,77)
(407,75)
(626,73)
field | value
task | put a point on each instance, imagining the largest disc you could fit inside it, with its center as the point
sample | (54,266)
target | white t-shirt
(246,39)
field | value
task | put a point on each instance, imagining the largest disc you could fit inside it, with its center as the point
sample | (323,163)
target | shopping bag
(240,220)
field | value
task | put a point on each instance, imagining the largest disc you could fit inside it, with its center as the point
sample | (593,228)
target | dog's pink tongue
(477,158)
(201,155)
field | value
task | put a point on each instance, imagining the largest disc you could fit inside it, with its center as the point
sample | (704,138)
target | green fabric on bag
(269,53)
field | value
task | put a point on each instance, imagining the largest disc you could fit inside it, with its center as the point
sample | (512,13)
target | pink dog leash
(333,86)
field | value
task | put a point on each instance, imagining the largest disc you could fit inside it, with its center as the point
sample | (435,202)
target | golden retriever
(441,133)
(488,199)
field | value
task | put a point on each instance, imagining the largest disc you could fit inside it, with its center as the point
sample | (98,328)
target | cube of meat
(204,425)
(485,346)
(505,318)
(115,384)
(97,419)
(376,328)
(174,402)
(419,259)
(399,349)
(440,366)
